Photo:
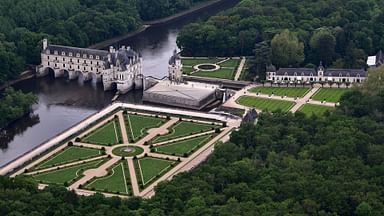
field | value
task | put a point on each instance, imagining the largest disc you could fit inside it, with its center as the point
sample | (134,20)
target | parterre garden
(323,94)
(226,67)
(110,145)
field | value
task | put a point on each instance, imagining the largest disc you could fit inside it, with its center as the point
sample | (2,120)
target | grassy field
(311,109)
(115,182)
(137,125)
(150,168)
(188,70)
(192,62)
(265,104)
(230,63)
(69,154)
(108,134)
(119,151)
(330,94)
(184,128)
(183,147)
(281,91)
(223,73)
(66,174)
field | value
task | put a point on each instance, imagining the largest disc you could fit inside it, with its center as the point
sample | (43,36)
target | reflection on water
(64,103)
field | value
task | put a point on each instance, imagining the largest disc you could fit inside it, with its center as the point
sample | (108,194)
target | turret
(45,44)
(175,68)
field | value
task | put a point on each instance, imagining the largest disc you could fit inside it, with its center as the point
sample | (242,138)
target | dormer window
(97,57)
(56,53)
(63,53)
(302,74)
(340,75)
(85,56)
(78,55)
(48,51)
(91,56)
(285,74)
(348,75)
(70,54)
(311,74)
(295,74)
(358,75)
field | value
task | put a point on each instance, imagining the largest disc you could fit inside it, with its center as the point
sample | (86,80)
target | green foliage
(350,30)
(107,134)
(375,82)
(137,125)
(287,164)
(311,109)
(287,50)
(14,104)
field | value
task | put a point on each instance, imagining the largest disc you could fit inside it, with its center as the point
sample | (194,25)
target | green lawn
(183,147)
(108,134)
(330,94)
(230,63)
(281,91)
(66,174)
(265,104)
(188,70)
(69,154)
(311,109)
(137,125)
(193,62)
(115,182)
(184,128)
(150,168)
(223,73)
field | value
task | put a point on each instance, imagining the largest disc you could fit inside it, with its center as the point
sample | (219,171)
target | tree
(375,81)
(263,55)
(323,43)
(287,50)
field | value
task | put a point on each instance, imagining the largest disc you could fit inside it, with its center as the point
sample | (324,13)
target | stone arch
(94,77)
(84,77)
(64,73)
(48,71)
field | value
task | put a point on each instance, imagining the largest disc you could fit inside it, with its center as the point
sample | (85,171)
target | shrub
(135,157)
(70,143)
(178,159)
(185,155)
(109,156)
(224,124)
(168,117)
(217,130)
(122,158)
(167,158)
(145,155)
(80,186)
(77,139)
(180,119)
(66,184)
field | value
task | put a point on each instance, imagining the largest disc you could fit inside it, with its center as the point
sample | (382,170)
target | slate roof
(345,72)
(75,50)
(251,116)
(297,71)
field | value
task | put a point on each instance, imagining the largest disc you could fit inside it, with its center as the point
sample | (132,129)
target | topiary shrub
(77,139)
(70,143)
(217,130)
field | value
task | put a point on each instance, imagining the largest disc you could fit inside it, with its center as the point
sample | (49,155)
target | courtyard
(127,152)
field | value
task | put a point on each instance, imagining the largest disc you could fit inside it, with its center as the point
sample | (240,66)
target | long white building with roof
(120,68)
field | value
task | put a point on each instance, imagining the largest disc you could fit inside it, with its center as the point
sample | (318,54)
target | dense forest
(14,104)
(23,24)
(287,164)
(340,33)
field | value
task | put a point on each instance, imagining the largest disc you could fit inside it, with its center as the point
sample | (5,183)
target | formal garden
(109,150)
(272,99)
(224,68)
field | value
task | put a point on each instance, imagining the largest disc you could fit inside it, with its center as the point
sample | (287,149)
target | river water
(64,103)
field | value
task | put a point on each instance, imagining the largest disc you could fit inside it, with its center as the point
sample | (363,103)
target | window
(48,57)
(295,74)
(63,53)
(78,55)
(70,54)
(55,52)
(97,57)
(311,74)
(84,55)
(91,56)
(340,75)
(48,51)
(302,74)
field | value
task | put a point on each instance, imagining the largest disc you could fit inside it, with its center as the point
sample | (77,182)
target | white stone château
(175,68)
(320,74)
(121,69)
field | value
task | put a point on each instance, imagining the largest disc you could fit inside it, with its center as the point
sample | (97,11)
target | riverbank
(28,74)
(162,21)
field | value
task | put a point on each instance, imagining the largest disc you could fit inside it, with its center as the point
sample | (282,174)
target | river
(64,103)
